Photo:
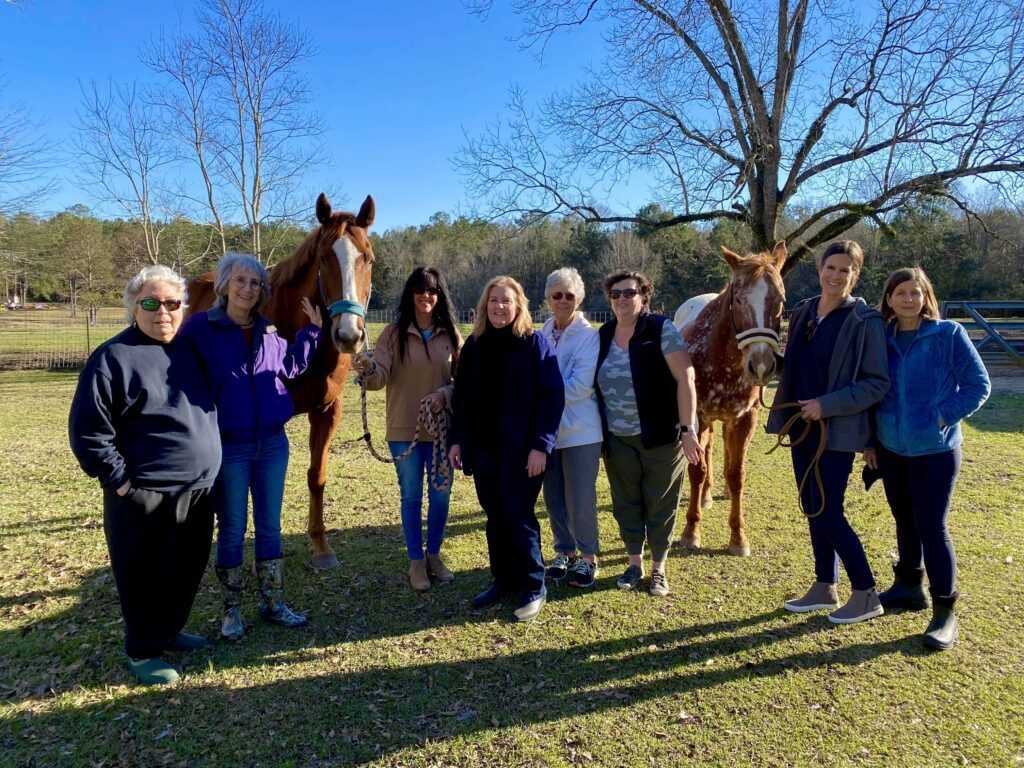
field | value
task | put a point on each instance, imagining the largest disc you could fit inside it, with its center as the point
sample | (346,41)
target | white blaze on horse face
(759,353)
(346,326)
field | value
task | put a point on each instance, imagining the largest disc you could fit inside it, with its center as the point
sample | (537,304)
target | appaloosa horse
(331,268)
(732,341)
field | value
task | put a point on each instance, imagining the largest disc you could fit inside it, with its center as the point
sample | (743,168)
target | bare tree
(122,151)
(739,109)
(23,159)
(625,251)
(240,104)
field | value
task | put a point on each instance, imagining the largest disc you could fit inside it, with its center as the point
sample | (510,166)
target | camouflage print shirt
(616,382)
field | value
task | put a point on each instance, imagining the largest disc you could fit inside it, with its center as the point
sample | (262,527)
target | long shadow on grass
(1002,413)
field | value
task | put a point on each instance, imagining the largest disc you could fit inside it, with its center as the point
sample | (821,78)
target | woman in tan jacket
(413,359)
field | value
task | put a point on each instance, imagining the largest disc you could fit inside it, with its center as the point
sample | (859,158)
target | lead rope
(784,433)
(436,424)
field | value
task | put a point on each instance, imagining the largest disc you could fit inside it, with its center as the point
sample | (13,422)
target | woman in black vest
(645,389)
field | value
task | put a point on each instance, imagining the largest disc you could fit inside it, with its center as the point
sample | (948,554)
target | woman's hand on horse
(536,463)
(811,410)
(455,456)
(871,458)
(313,313)
(362,362)
(435,401)
(691,448)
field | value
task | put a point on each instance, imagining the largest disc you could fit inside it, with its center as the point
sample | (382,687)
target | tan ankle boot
(439,569)
(418,578)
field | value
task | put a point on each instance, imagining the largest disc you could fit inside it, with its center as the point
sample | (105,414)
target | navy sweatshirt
(143,412)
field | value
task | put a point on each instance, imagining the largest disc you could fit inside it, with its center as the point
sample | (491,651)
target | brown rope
(435,423)
(784,433)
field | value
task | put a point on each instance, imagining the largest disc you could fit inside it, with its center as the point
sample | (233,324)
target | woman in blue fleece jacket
(248,364)
(938,380)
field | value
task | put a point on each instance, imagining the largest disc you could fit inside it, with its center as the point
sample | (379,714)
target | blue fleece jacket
(939,381)
(249,383)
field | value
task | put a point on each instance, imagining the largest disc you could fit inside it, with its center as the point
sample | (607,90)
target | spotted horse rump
(733,340)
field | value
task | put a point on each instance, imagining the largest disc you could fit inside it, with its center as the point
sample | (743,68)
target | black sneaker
(560,566)
(582,574)
(630,578)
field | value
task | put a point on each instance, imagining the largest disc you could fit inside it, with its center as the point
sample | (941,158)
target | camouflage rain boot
(231,579)
(271,585)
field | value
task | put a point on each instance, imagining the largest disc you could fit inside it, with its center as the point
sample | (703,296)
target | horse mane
(293,268)
(758,263)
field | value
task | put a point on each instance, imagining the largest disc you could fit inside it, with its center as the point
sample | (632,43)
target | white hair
(235,263)
(570,278)
(153,273)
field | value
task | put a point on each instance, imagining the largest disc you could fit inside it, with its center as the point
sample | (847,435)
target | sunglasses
(427,291)
(152,305)
(628,293)
(558,296)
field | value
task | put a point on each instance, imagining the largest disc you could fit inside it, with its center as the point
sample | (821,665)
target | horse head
(756,296)
(345,263)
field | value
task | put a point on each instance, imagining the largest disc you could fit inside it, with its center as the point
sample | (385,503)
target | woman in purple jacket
(248,363)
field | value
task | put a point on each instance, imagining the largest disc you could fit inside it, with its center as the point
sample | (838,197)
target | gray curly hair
(570,278)
(232,264)
(154,272)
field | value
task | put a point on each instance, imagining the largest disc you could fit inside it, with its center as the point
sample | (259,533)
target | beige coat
(408,381)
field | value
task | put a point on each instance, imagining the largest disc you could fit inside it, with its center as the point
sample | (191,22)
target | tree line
(77,258)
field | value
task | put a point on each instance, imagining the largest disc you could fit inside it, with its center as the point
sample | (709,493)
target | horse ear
(366,213)
(731,257)
(323,209)
(780,253)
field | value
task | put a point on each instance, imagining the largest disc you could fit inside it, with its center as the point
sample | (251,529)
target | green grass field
(715,674)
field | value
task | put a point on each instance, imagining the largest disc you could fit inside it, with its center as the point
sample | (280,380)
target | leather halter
(754,335)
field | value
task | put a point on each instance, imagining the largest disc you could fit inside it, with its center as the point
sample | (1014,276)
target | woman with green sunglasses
(143,423)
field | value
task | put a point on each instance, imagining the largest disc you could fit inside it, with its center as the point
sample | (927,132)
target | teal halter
(345,306)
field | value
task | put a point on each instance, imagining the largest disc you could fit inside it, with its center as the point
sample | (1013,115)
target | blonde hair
(930,308)
(522,324)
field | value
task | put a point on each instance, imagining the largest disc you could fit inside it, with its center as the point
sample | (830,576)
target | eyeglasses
(627,293)
(152,305)
(427,291)
(558,296)
(240,281)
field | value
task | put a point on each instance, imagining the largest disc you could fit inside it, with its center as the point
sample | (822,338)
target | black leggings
(159,544)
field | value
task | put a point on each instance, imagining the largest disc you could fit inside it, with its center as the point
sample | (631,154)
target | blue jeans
(410,473)
(258,468)
(832,537)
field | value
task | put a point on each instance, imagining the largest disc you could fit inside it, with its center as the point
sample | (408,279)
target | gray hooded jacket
(858,377)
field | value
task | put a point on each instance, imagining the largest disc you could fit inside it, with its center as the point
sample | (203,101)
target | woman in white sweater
(570,491)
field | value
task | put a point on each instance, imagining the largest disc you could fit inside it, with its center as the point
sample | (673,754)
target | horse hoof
(707,503)
(324,562)
(739,550)
(690,542)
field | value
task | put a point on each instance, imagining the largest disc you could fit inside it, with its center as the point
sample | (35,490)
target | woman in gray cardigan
(835,369)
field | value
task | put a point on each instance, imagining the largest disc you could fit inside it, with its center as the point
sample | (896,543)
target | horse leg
(738,434)
(706,499)
(698,474)
(322,424)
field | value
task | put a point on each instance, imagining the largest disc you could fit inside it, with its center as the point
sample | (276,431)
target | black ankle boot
(942,632)
(906,592)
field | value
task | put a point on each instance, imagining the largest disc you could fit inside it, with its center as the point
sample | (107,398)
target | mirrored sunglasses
(628,293)
(558,296)
(152,305)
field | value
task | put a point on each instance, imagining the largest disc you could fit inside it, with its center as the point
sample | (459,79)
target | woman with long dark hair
(413,359)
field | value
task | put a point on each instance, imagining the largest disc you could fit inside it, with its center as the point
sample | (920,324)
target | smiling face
(424,300)
(625,306)
(837,276)
(163,323)
(501,306)
(563,303)
(243,292)
(907,300)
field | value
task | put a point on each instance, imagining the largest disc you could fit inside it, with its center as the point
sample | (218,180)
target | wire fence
(55,338)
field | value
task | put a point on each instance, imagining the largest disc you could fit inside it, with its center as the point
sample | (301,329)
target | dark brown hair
(849,247)
(643,283)
(930,309)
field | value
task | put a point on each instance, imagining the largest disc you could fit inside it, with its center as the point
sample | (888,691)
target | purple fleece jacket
(249,384)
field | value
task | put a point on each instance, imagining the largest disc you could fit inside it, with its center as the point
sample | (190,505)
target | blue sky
(420,71)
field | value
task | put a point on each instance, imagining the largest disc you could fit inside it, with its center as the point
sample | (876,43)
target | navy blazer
(534,400)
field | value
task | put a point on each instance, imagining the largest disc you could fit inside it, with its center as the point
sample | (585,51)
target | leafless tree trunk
(23,159)
(740,109)
(241,106)
(122,150)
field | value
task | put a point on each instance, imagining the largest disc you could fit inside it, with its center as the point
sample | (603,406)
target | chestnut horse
(732,341)
(331,267)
